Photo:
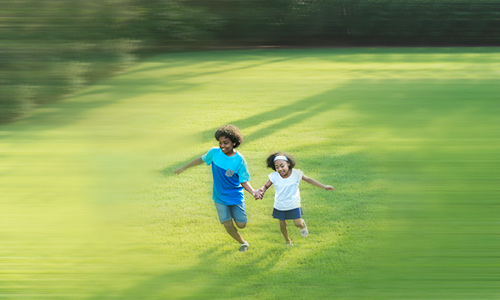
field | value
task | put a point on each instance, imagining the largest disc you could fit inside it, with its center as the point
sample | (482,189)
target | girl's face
(283,168)
(226,145)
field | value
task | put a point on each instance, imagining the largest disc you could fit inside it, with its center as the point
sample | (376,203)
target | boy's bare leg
(233,232)
(284,230)
(240,225)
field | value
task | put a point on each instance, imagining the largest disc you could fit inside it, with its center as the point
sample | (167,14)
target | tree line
(52,48)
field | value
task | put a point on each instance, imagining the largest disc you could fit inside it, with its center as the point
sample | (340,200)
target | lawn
(409,138)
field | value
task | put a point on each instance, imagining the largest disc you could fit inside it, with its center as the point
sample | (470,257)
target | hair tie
(282,157)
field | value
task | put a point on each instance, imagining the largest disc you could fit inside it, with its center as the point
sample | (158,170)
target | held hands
(258,194)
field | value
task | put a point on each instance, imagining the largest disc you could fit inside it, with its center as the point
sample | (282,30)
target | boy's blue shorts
(228,212)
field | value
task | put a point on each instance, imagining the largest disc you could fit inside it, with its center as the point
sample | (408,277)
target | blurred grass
(408,137)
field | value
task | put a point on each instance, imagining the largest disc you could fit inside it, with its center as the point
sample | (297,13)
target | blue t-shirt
(228,172)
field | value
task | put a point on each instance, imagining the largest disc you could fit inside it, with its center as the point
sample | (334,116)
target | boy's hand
(329,188)
(179,171)
(257,194)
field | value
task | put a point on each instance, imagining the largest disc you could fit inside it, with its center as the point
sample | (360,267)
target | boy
(230,174)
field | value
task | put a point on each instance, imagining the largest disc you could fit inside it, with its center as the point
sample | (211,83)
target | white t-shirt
(287,195)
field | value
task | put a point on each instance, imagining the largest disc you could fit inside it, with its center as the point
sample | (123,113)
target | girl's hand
(329,188)
(258,194)
(263,190)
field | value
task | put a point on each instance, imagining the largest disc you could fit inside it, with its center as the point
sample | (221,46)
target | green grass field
(409,138)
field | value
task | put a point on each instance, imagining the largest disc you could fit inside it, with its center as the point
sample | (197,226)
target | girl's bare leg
(285,232)
(302,225)
(299,223)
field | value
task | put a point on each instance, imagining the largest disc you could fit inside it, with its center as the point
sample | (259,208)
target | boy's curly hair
(231,132)
(270,160)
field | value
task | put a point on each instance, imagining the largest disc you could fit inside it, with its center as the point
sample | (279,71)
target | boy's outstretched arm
(316,183)
(195,162)
(257,194)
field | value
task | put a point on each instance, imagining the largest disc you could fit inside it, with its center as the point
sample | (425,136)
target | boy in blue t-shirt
(230,175)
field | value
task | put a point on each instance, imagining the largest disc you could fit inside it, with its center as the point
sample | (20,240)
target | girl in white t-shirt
(286,181)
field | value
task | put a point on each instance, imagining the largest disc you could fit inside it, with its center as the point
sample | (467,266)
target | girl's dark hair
(270,160)
(231,132)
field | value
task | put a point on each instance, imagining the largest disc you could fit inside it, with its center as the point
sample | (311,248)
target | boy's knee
(241,225)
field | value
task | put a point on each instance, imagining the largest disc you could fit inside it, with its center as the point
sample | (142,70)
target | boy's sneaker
(304,230)
(244,247)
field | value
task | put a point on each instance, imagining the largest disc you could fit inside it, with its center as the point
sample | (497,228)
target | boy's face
(282,167)
(226,145)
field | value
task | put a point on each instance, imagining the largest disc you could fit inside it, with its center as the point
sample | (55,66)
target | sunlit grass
(408,137)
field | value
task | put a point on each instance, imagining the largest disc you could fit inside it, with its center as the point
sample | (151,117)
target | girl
(286,181)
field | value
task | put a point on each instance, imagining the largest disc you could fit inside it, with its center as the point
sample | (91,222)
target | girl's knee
(298,223)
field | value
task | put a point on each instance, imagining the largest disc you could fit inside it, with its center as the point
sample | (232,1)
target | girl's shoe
(304,231)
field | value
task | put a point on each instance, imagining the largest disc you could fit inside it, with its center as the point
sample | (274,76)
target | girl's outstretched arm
(195,162)
(265,187)
(317,183)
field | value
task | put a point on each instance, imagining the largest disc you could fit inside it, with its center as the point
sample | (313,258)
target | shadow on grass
(220,60)
(206,281)
(411,105)
(294,113)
